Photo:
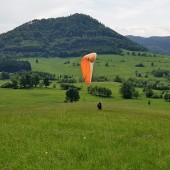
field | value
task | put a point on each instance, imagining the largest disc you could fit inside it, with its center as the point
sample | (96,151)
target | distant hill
(154,44)
(66,36)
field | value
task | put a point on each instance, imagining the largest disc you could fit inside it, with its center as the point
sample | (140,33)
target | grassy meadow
(39,131)
(124,66)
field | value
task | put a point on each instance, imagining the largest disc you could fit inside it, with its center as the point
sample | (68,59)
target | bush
(148,92)
(166,96)
(46,82)
(118,79)
(5,75)
(156,96)
(72,95)
(67,80)
(99,79)
(162,86)
(66,86)
(139,65)
(99,91)
(160,73)
(127,90)
(7,85)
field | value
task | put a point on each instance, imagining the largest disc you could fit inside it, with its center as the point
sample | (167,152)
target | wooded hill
(153,44)
(74,35)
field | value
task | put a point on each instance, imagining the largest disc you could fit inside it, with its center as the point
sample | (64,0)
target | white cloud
(138,17)
(146,31)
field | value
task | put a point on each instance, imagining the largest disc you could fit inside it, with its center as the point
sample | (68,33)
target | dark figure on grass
(149,102)
(99,105)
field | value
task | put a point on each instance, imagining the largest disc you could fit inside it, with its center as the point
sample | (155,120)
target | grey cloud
(132,15)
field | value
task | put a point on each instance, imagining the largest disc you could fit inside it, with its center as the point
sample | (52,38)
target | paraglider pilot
(99,105)
(149,102)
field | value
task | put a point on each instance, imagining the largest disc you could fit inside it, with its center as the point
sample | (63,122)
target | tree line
(99,91)
(161,73)
(153,84)
(127,88)
(29,80)
(11,65)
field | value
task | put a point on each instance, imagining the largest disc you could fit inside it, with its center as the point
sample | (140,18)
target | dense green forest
(74,35)
(11,65)
(153,44)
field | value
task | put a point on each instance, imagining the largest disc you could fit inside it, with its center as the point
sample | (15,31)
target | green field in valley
(39,131)
(124,66)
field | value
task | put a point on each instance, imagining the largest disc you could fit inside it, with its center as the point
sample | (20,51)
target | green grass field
(39,131)
(124,69)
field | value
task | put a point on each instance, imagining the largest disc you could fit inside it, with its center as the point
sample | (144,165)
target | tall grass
(39,131)
(77,136)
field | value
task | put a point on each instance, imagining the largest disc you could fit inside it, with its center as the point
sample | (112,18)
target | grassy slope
(126,134)
(39,131)
(116,67)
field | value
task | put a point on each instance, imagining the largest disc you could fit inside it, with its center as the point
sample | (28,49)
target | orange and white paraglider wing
(87,63)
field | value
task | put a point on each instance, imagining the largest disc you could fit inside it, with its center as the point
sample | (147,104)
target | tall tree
(127,90)
(46,82)
(28,79)
(72,95)
(35,80)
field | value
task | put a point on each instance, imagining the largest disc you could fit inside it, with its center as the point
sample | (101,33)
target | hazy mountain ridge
(65,36)
(154,44)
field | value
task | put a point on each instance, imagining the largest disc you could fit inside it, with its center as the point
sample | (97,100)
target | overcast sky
(127,17)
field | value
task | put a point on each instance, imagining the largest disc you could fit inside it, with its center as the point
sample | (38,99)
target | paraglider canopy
(86,64)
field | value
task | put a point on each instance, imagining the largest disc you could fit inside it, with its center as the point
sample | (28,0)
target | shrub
(156,96)
(99,91)
(139,65)
(100,79)
(7,85)
(107,64)
(66,86)
(148,92)
(161,73)
(46,82)
(127,90)
(166,96)
(5,75)
(67,80)
(118,79)
(72,95)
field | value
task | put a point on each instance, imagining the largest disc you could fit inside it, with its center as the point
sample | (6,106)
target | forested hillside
(74,35)
(153,44)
